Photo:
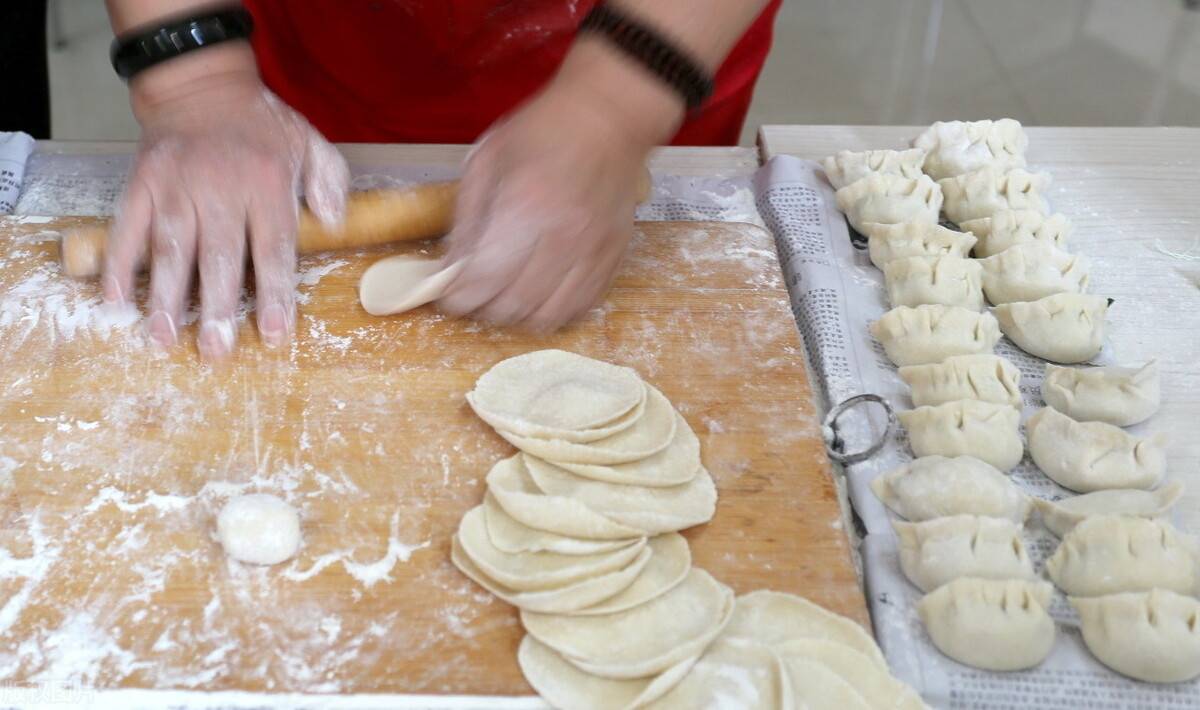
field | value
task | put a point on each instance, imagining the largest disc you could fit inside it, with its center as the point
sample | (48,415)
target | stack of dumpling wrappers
(1131,576)
(579,531)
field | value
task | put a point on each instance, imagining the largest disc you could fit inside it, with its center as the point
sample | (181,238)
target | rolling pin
(372,217)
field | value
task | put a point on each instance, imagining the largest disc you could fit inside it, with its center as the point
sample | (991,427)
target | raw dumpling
(932,333)
(937,487)
(1065,327)
(1027,272)
(890,199)
(939,280)
(937,551)
(1109,554)
(886,242)
(986,191)
(1061,516)
(996,625)
(989,432)
(957,147)
(1121,396)
(1008,228)
(847,167)
(1152,636)
(1092,456)
(988,378)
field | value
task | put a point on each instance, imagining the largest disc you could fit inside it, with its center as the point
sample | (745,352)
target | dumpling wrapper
(675,465)
(515,491)
(653,510)
(401,283)
(511,535)
(557,390)
(770,617)
(651,434)
(739,673)
(668,567)
(644,640)
(876,685)
(513,425)
(565,686)
(562,600)
(816,685)
(535,571)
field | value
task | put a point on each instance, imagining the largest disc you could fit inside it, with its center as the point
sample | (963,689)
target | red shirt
(441,71)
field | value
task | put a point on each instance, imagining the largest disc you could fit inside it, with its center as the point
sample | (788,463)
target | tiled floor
(1047,62)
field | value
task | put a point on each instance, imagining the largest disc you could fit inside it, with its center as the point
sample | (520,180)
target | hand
(545,208)
(219,164)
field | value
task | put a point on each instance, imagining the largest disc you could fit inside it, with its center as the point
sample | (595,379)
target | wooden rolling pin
(373,217)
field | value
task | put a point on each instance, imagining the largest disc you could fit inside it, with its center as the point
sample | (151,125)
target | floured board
(115,458)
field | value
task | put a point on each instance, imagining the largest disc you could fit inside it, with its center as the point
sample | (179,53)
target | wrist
(639,104)
(225,72)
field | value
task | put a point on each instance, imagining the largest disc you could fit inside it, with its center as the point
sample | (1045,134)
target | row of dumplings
(984,606)
(1037,288)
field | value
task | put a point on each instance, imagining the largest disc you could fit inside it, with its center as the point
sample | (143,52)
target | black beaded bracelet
(143,47)
(653,51)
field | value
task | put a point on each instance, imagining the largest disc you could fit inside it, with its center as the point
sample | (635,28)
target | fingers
(127,239)
(173,258)
(494,263)
(221,256)
(583,287)
(326,180)
(272,221)
(540,277)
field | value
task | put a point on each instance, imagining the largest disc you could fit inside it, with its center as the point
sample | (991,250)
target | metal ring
(833,441)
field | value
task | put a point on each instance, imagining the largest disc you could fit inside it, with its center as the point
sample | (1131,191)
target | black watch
(148,45)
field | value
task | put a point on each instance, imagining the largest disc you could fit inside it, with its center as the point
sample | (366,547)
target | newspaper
(836,292)
(14,150)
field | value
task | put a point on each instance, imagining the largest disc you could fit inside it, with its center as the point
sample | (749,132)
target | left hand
(545,208)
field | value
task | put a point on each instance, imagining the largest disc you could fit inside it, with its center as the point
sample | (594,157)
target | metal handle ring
(833,440)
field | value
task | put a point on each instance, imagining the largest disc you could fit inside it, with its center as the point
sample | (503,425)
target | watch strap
(144,47)
(649,48)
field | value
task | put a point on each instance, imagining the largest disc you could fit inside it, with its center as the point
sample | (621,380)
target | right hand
(219,163)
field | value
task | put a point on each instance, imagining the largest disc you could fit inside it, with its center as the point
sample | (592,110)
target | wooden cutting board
(115,458)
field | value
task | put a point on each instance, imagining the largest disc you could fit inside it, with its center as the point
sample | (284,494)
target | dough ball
(259,528)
